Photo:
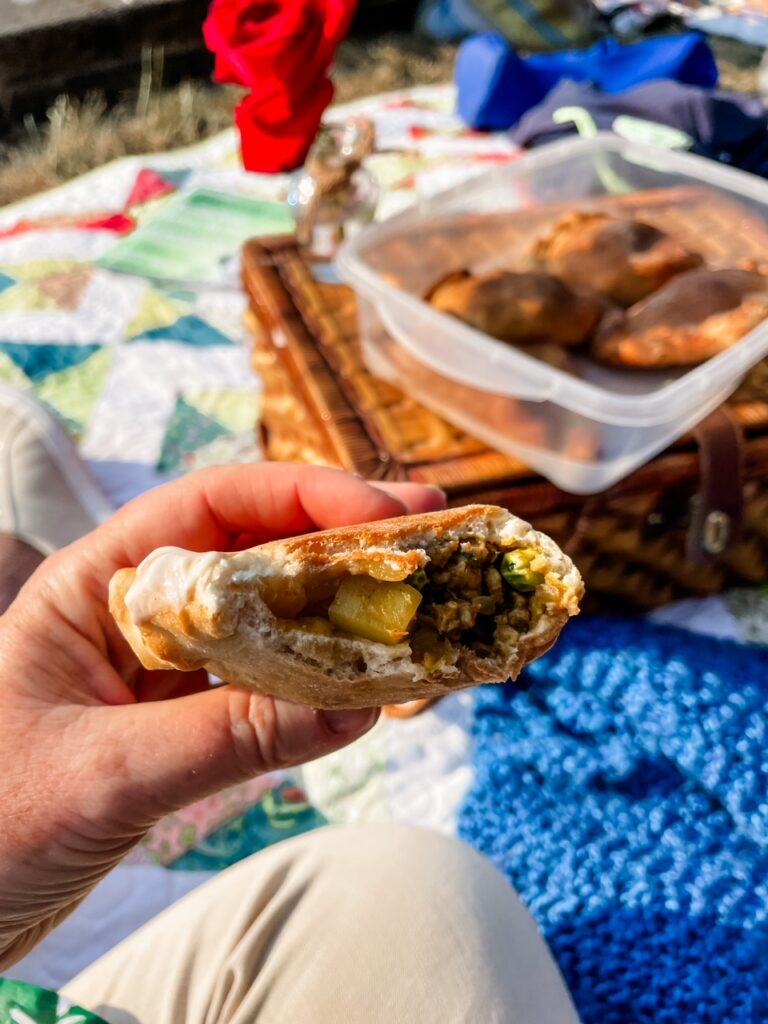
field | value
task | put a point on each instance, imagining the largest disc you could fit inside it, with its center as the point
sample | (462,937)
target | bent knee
(421,863)
(411,844)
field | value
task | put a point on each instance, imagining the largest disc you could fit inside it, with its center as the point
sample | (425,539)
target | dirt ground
(81,135)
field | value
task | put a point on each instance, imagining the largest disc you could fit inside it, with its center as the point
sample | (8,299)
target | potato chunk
(377,611)
(284,598)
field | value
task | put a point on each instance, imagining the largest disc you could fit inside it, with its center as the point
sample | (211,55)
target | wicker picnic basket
(693,521)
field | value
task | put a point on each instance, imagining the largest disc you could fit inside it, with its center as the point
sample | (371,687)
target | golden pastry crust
(621,259)
(521,308)
(224,623)
(694,317)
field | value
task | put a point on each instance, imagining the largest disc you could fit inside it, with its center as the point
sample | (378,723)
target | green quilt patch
(21,1003)
(188,430)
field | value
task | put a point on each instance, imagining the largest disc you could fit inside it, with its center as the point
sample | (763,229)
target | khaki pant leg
(369,924)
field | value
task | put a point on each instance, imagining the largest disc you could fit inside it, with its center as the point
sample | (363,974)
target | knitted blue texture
(625,796)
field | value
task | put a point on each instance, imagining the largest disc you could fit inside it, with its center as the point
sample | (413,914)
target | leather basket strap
(717,510)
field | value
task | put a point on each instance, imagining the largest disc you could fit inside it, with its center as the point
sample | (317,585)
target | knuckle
(256,734)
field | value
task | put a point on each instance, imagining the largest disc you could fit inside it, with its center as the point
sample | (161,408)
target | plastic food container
(586,426)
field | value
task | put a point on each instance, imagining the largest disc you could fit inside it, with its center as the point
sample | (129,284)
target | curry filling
(471,594)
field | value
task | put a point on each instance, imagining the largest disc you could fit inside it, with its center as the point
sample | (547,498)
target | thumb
(172,753)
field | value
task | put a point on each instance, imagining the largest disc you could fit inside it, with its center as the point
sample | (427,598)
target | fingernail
(389,494)
(350,723)
(440,499)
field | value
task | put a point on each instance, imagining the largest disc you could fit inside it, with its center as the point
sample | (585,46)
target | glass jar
(334,195)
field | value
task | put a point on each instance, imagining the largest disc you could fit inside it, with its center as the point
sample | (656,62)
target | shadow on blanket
(624,795)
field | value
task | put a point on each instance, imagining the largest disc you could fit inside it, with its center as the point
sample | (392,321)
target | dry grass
(81,135)
(392,62)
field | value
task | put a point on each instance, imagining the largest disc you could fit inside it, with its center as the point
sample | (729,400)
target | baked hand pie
(694,317)
(621,259)
(522,308)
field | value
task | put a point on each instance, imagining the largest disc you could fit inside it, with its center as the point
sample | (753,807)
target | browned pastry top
(525,308)
(618,257)
(692,318)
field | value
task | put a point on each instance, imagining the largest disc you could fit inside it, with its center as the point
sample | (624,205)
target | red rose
(259,43)
(281,145)
(280,50)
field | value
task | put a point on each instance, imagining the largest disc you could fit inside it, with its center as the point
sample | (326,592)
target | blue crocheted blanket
(625,796)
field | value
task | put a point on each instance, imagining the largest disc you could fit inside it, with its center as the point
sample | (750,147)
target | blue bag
(496,86)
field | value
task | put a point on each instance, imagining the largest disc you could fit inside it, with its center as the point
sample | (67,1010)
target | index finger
(216,508)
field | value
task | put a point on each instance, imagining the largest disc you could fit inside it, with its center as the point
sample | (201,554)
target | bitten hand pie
(360,616)
(522,308)
(693,318)
(621,259)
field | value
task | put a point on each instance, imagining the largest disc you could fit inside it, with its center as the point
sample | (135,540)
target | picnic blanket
(623,794)
(154,379)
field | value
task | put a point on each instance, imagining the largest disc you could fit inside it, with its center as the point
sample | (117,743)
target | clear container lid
(583,173)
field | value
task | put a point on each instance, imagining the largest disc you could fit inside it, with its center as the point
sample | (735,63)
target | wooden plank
(50,47)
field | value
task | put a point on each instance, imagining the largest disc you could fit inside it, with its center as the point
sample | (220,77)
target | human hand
(93,748)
